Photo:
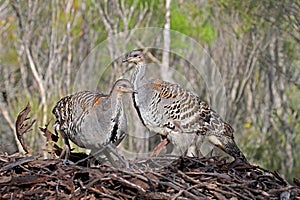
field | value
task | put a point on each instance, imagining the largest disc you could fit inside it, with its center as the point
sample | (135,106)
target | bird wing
(71,110)
(176,105)
(183,111)
(110,119)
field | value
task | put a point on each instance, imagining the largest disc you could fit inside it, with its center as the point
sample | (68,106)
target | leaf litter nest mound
(150,178)
(32,177)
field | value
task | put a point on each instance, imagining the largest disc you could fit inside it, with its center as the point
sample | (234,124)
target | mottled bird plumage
(92,119)
(169,110)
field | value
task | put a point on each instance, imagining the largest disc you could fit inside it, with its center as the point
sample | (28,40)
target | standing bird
(172,111)
(93,120)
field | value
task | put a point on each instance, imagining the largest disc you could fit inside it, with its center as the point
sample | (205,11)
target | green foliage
(9,56)
(192,19)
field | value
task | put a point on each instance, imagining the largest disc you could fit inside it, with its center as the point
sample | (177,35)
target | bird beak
(129,90)
(125,59)
(133,91)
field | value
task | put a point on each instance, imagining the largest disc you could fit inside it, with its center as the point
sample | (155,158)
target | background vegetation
(254,43)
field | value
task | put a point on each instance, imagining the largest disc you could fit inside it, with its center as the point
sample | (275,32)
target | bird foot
(67,162)
(107,151)
(120,157)
(160,147)
(65,152)
(125,163)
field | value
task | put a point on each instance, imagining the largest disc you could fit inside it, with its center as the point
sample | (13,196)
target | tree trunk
(166,74)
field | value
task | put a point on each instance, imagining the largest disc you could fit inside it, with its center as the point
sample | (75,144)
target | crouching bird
(93,120)
(171,111)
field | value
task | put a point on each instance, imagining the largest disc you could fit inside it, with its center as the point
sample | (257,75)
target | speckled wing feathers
(184,111)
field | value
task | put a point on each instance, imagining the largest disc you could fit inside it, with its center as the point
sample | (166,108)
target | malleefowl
(170,110)
(93,120)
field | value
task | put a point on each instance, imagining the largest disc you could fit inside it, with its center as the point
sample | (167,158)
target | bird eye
(135,55)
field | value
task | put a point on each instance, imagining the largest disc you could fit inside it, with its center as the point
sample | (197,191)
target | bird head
(124,86)
(135,56)
(228,145)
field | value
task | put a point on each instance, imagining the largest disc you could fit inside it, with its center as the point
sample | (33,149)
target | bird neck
(115,102)
(138,75)
(118,105)
(115,98)
(116,132)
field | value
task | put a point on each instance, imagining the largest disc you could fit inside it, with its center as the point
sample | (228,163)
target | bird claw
(126,163)
(66,162)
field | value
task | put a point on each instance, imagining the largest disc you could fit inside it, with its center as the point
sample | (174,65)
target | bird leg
(109,149)
(66,151)
(160,147)
(113,151)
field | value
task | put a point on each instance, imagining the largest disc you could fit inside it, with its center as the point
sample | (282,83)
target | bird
(171,111)
(93,120)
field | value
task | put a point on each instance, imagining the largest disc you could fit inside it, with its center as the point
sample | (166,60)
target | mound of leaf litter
(32,177)
(180,178)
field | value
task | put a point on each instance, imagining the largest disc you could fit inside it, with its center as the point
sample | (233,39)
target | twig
(17,163)
(22,128)
(127,183)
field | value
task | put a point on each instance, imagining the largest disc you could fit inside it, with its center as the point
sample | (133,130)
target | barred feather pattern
(92,119)
(70,113)
(170,110)
(184,111)
(176,110)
